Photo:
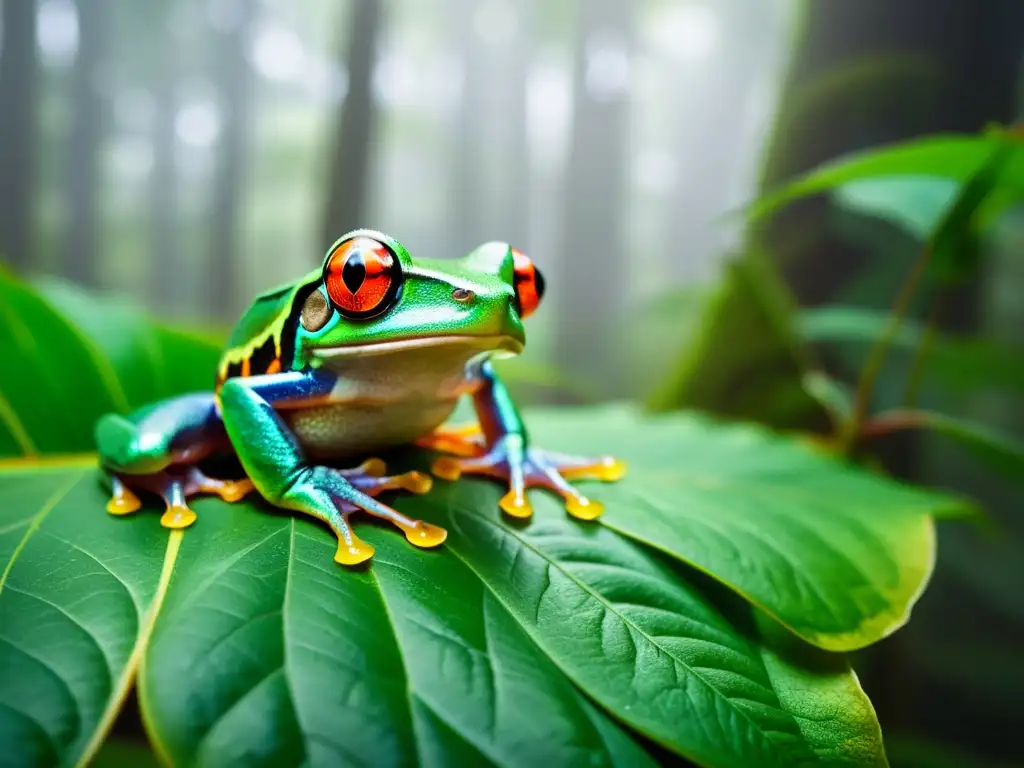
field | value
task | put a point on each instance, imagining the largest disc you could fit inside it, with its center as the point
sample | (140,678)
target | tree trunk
(236,84)
(712,124)
(18,85)
(876,71)
(89,110)
(465,229)
(513,201)
(592,279)
(348,184)
(165,279)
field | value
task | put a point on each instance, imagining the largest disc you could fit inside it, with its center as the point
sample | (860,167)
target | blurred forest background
(189,153)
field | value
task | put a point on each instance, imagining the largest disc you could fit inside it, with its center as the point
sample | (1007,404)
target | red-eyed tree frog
(370,351)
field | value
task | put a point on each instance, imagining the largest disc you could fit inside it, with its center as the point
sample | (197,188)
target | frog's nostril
(462,294)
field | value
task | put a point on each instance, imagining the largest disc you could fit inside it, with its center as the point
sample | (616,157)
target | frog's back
(263,340)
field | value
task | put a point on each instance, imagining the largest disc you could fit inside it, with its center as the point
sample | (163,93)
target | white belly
(345,429)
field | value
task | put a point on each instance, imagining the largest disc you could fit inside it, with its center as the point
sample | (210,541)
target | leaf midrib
(628,622)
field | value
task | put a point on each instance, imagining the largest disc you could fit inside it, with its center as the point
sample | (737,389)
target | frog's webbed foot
(526,467)
(174,487)
(462,440)
(334,495)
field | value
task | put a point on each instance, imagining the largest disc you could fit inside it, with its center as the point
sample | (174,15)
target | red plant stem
(890,421)
(873,365)
(917,365)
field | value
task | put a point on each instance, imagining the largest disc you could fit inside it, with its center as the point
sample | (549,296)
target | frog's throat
(495,343)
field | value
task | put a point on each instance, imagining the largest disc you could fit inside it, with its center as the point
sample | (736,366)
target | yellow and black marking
(257,360)
(266,334)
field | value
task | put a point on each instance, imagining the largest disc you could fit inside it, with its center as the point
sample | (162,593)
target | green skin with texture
(305,384)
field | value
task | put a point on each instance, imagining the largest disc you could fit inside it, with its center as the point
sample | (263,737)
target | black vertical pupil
(538,280)
(354,272)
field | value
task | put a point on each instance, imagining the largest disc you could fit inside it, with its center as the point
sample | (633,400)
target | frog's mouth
(501,345)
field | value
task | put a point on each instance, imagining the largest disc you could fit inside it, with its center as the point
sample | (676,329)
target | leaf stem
(887,422)
(924,348)
(873,366)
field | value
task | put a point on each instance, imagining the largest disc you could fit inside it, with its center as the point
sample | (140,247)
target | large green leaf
(949,156)
(266,652)
(642,639)
(53,382)
(78,595)
(837,554)
(150,360)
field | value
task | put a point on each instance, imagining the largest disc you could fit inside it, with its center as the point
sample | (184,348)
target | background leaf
(39,347)
(951,156)
(746,360)
(998,450)
(151,361)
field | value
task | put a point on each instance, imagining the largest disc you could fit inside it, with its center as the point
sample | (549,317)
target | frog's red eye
(362,277)
(528,282)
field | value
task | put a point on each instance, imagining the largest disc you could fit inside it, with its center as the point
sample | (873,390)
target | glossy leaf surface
(268,652)
(837,554)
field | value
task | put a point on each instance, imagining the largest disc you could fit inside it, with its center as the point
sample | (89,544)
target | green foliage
(746,359)
(989,169)
(957,157)
(960,364)
(547,642)
(1000,451)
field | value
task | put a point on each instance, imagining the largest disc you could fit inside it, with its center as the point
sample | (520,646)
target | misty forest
(782,244)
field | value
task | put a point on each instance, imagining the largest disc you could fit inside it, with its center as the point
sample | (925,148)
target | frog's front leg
(274,461)
(510,457)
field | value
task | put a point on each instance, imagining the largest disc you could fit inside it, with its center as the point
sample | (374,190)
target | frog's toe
(230,491)
(465,440)
(424,535)
(583,508)
(122,501)
(372,467)
(353,551)
(177,516)
(515,504)
(447,468)
(236,490)
(415,482)
(607,468)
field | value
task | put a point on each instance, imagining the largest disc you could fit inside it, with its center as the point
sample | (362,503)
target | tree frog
(370,351)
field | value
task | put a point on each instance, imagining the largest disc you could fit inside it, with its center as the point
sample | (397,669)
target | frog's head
(371,297)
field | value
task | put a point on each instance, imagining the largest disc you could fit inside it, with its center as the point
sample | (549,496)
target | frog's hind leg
(154,450)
